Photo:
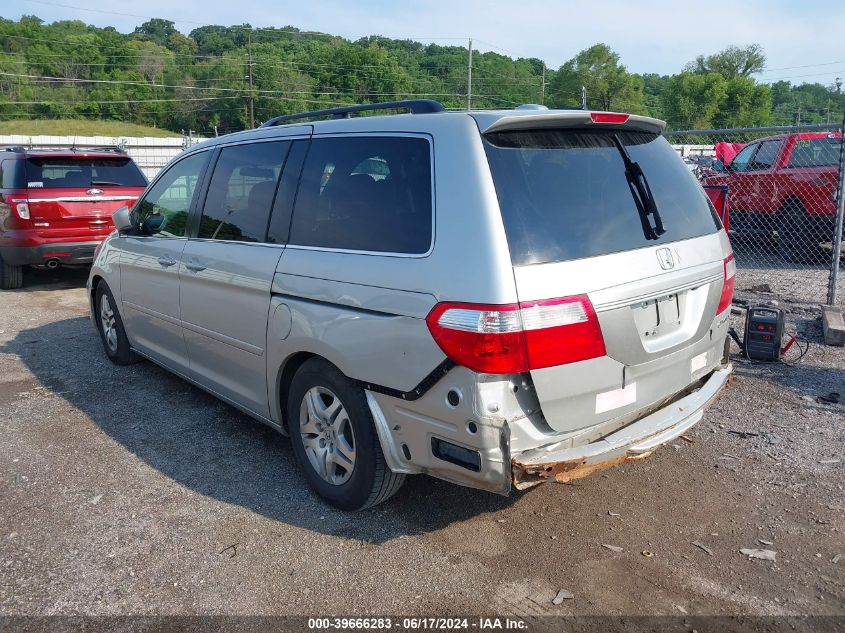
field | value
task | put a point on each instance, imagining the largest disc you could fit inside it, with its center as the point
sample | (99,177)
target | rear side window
(815,152)
(241,192)
(12,174)
(365,194)
(564,194)
(59,173)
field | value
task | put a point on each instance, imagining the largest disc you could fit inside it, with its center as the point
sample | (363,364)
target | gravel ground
(124,490)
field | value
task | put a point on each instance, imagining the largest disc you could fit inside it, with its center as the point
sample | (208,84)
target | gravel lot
(125,490)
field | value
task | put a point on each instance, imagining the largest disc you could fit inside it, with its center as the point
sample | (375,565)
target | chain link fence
(780,190)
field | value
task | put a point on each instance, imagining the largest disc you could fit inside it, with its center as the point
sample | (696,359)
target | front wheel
(11,277)
(110,327)
(334,439)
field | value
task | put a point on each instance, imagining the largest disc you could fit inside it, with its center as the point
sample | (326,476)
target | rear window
(58,173)
(564,194)
(815,152)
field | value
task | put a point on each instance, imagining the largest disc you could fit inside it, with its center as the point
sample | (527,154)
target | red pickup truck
(785,187)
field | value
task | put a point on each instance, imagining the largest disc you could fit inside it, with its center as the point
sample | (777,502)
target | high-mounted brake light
(609,117)
(728,287)
(515,338)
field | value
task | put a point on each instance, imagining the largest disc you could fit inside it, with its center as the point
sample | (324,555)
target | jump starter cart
(763,333)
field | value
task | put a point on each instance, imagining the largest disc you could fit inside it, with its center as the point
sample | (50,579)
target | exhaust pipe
(52,264)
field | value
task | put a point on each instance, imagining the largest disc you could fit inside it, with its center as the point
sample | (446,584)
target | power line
(767,70)
(65,102)
(121,82)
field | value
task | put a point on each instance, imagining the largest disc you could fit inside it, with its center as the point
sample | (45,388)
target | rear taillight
(728,287)
(21,207)
(514,338)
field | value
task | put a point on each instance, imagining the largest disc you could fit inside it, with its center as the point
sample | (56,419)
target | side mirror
(121,219)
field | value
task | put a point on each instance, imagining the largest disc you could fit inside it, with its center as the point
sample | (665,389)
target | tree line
(201,81)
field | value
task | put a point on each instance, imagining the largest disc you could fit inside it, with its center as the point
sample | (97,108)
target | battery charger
(763,333)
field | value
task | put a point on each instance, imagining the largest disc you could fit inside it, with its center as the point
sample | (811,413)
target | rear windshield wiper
(641,192)
(105,183)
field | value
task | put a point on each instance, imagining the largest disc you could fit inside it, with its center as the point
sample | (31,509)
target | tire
(11,277)
(110,327)
(334,439)
(798,241)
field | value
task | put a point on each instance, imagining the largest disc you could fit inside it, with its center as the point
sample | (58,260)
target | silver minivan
(494,298)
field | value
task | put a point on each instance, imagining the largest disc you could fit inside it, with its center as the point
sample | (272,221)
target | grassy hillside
(78,127)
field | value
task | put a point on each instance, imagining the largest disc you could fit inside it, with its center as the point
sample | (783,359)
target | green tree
(692,101)
(609,84)
(746,104)
(734,61)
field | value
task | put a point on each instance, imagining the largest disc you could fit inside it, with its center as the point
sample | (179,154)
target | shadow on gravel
(213,449)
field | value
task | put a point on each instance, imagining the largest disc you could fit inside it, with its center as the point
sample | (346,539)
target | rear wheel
(110,326)
(11,277)
(798,239)
(334,439)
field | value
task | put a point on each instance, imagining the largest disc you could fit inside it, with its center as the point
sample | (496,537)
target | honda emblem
(664,256)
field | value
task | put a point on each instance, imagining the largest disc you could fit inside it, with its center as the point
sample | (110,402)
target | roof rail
(415,106)
(117,149)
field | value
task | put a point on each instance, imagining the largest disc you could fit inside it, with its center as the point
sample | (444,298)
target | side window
(12,174)
(741,160)
(766,156)
(365,194)
(241,192)
(815,152)
(163,211)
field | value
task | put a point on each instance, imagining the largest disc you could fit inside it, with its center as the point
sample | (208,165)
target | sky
(804,40)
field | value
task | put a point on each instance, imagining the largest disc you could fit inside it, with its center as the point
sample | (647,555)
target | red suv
(56,205)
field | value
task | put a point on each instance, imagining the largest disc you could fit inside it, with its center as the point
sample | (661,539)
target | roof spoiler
(534,120)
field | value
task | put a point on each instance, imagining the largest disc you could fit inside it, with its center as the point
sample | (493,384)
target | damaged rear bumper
(561,462)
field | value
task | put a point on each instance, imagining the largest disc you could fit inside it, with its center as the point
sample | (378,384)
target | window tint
(12,174)
(365,194)
(766,156)
(815,152)
(564,194)
(740,161)
(55,173)
(241,192)
(164,210)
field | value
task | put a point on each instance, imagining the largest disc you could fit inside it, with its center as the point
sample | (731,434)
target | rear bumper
(65,252)
(635,441)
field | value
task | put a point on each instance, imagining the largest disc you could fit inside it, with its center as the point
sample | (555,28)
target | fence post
(837,231)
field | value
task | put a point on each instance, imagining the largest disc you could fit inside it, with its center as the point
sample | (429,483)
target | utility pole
(249,76)
(543,84)
(469,76)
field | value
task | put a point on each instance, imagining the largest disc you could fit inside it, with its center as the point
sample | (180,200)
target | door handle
(166,261)
(194,266)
